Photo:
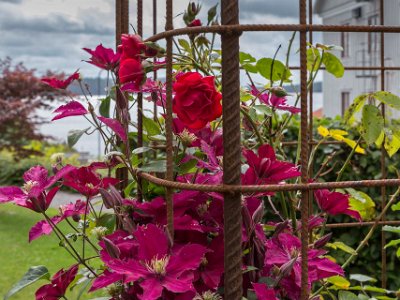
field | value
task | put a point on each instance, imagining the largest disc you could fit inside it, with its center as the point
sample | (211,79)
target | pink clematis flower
(264,168)
(104,58)
(284,252)
(58,286)
(72,108)
(43,227)
(61,84)
(87,182)
(157,267)
(335,203)
(33,194)
(263,292)
(116,126)
(273,100)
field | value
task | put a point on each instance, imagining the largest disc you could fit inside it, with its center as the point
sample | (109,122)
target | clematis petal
(116,126)
(72,108)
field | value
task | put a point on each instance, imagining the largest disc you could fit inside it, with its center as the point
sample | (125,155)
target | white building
(360,49)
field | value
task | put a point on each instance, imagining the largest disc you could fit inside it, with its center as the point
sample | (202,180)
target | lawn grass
(17,255)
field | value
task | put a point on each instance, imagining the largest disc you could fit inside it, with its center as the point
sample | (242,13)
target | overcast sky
(49,34)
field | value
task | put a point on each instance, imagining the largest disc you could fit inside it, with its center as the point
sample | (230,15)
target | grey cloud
(53,23)
(11,1)
(281,8)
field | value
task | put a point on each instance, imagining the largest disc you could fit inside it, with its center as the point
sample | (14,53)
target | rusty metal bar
(356,68)
(274,27)
(121,27)
(383,152)
(168,120)
(139,29)
(232,152)
(359,224)
(304,149)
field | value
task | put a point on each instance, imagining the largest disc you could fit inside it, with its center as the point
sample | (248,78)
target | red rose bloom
(130,70)
(131,46)
(195,23)
(196,101)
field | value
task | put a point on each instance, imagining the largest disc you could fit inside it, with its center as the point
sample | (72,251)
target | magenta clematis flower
(212,266)
(60,84)
(33,194)
(72,108)
(273,100)
(263,292)
(283,252)
(58,286)
(187,204)
(264,168)
(157,267)
(335,203)
(104,58)
(116,126)
(87,182)
(43,227)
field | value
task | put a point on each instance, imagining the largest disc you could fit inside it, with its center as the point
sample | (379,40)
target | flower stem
(257,132)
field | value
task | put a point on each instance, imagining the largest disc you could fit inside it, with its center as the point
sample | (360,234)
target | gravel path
(63,198)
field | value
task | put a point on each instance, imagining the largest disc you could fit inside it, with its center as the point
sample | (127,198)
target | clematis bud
(281,227)
(321,242)
(279,91)
(111,248)
(212,12)
(193,9)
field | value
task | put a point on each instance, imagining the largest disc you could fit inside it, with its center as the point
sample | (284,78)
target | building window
(345,101)
(345,43)
(373,37)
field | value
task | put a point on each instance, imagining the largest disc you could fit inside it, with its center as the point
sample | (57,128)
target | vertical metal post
(383,151)
(304,151)
(121,27)
(168,120)
(232,152)
(140,101)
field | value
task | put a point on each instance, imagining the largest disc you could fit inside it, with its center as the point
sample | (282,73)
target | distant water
(92,144)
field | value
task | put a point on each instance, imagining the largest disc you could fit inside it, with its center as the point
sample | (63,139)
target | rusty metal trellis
(230,31)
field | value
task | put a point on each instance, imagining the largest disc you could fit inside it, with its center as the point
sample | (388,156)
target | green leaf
(104,108)
(345,295)
(354,108)
(342,246)
(392,141)
(34,274)
(391,229)
(362,278)
(267,67)
(187,167)
(388,98)
(372,123)
(151,126)
(141,150)
(396,207)
(333,65)
(313,59)
(246,58)
(154,166)
(392,243)
(106,220)
(74,136)
(362,203)
(263,109)
(129,188)
(339,282)
(185,45)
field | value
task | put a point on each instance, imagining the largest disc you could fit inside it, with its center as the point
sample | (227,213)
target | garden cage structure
(230,31)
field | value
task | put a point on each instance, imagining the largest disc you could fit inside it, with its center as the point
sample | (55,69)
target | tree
(21,94)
